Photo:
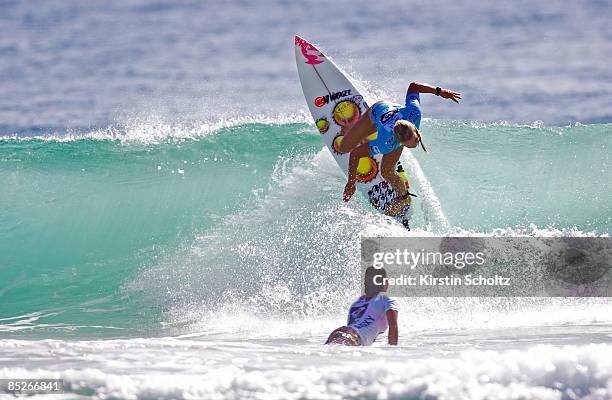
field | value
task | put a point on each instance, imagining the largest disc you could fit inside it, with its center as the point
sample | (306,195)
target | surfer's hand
(349,190)
(449,94)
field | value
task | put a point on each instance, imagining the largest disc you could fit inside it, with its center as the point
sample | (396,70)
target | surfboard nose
(300,41)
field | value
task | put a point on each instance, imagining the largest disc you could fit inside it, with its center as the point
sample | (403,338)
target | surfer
(369,315)
(397,127)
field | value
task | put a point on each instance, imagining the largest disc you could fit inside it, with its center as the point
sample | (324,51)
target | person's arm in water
(392,321)
(416,87)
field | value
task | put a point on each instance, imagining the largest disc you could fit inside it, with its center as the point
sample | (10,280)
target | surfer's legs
(345,336)
(388,171)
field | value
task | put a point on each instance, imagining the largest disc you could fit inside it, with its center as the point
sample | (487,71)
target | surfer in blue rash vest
(397,127)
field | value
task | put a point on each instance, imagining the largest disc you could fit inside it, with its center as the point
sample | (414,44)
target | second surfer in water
(369,315)
(397,127)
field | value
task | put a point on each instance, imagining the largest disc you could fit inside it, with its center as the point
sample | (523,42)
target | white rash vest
(368,316)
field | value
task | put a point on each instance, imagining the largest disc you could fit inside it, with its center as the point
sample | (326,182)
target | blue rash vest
(385,114)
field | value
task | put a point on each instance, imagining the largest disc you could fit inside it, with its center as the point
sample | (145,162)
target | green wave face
(107,237)
(496,176)
(80,218)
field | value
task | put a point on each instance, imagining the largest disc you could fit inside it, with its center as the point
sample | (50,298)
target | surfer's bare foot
(397,206)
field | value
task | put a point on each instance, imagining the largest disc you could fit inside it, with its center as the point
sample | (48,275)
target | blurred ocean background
(171,225)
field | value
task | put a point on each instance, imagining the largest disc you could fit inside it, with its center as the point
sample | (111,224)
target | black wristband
(438,90)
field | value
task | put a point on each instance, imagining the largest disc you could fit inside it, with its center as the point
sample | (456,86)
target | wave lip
(154,130)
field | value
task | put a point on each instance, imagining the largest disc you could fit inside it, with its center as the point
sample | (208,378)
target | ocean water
(171,226)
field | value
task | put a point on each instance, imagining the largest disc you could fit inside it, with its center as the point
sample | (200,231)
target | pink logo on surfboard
(310,53)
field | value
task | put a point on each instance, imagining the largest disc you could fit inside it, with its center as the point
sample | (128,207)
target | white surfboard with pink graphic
(335,103)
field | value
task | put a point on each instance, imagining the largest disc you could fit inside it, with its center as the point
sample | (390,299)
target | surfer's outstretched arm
(416,87)
(357,133)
